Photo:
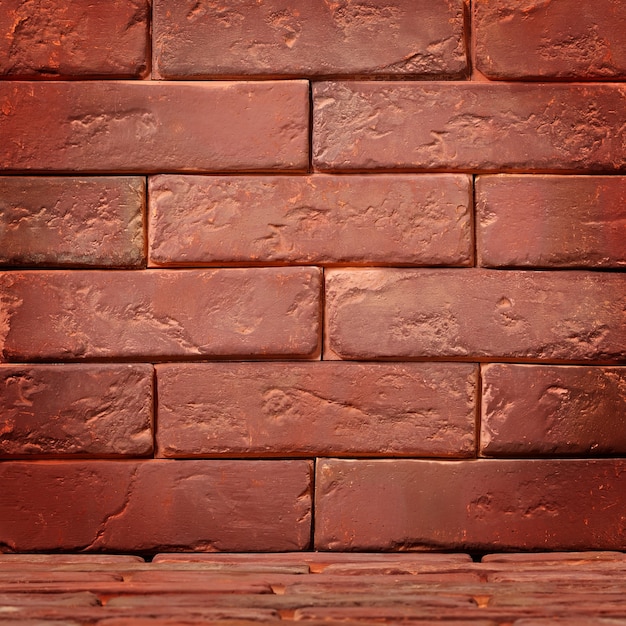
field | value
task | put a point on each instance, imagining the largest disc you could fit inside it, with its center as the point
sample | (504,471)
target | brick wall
(321,275)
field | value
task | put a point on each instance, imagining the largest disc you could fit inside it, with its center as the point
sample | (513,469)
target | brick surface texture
(311,276)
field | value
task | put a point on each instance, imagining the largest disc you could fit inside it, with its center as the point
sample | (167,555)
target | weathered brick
(478,505)
(316,409)
(151,126)
(271,38)
(150,505)
(475,314)
(101,410)
(72,221)
(58,39)
(567,39)
(468,126)
(530,410)
(318,561)
(583,558)
(416,220)
(65,315)
(551,221)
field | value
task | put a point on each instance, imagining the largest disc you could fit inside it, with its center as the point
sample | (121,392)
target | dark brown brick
(57,39)
(551,221)
(316,409)
(416,220)
(530,410)
(65,315)
(72,221)
(468,126)
(99,410)
(139,506)
(475,314)
(303,38)
(482,505)
(550,40)
(147,126)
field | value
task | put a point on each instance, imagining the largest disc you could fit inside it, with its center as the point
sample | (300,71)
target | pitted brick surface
(248,38)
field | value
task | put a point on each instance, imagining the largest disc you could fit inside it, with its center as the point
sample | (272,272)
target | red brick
(416,220)
(58,39)
(271,38)
(51,601)
(475,313)
(154,505)
(316,409)
(394,614)
(542,39)
(551,221)
(530,410)
(318,561)
(65,315)
(101,410)
(482,505)
(72,221)
(150,126)
(585,557)
(217,617)
(468,126)
(87,561)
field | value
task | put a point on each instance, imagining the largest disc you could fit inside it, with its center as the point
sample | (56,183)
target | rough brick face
(72,221)
(68,315)
(417,220)
(155,505)
(469,505)
(67,410)
(475,313)
(244,239)
(316,409)
(521,127)
(272,38)
(74,38)
(551,221)
(539,39)
(148,126)
(530,410)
